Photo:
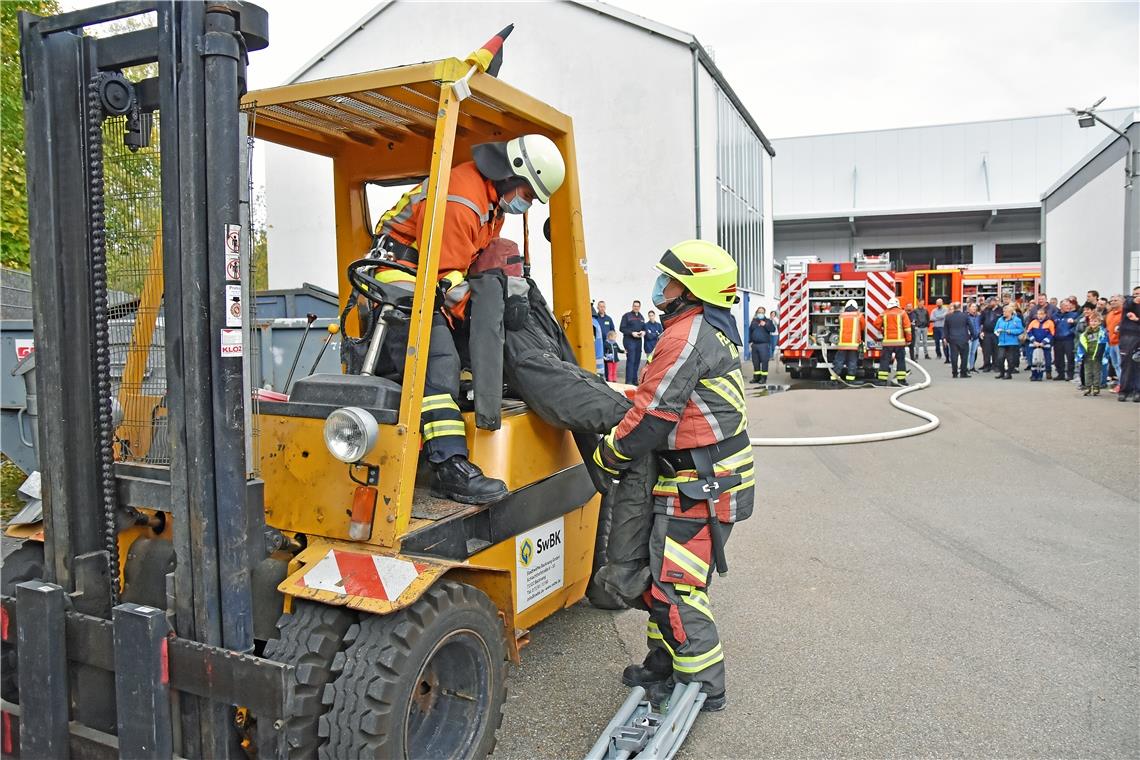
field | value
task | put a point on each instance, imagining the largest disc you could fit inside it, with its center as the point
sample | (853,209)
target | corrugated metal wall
(740,196)
(1007,161)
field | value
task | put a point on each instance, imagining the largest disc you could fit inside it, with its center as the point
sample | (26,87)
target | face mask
(658,297)
(517,205)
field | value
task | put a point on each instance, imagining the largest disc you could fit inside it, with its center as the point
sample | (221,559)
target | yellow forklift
(218,575)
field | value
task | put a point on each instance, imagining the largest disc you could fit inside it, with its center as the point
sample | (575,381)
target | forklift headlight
(350,433)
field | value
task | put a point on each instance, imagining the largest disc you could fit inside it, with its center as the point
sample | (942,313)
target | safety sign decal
(23,347)
(231,343)
(233,306)
(370,575)
(233,252)
(539,562)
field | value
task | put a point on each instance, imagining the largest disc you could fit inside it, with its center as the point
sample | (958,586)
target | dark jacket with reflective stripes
(691,395)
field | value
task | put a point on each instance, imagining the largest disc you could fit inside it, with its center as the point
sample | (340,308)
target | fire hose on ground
(931,423)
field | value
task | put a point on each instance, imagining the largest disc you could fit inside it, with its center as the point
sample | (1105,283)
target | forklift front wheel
(311,637)
(426,681)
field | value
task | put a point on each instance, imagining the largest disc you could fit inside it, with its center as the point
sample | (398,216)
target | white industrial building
(666,151)
(1091,217)
(951,194)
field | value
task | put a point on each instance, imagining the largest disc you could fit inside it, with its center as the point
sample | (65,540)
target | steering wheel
(367,285)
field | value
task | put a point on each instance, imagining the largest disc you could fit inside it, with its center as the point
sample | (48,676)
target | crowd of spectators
(1094,344)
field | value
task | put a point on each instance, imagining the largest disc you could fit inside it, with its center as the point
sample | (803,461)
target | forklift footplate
(636,731)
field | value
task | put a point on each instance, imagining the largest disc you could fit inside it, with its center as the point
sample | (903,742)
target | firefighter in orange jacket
(894,325)
(689,410)
(851,327)
(503,178)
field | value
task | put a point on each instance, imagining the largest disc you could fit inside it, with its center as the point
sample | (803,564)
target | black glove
(609,460)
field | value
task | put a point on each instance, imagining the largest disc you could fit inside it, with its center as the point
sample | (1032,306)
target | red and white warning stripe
(880,289)
(793,311)
(370,575)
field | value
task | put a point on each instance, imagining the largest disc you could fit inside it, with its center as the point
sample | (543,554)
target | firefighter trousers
(847,363)
(680,614)
(444,434)
(761,355)
(899,354)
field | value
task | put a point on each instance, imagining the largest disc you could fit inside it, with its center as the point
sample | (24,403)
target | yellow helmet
(704,268)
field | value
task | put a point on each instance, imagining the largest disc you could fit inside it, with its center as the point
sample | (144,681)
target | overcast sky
(807,68)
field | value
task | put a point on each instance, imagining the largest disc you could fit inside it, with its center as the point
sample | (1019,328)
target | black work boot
(658,695)
(459,480)
(655,668)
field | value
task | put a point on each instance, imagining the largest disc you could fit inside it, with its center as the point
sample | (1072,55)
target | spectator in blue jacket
(600,365)
(990,315)
(762,338)
(1039,335)
(653,330)
(1065,326)
(975,342)
(605,320)
(632,328)
(1008,330)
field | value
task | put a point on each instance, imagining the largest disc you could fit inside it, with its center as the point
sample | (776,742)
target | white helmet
(893,303)
(536,159)
(850,305)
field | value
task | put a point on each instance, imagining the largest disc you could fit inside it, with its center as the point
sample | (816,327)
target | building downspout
(696,135)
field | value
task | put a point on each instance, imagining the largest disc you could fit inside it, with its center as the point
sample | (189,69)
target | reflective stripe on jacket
(471,218)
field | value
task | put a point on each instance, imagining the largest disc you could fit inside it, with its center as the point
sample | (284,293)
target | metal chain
(98,235)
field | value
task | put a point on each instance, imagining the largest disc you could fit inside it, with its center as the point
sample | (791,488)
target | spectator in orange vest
(1112,326)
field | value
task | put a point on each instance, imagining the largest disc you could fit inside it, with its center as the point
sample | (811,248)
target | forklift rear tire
(428,681)
(311,637)
(23,564)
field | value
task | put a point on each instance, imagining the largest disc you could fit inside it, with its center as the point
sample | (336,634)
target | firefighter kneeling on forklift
(689,410)
(504,178)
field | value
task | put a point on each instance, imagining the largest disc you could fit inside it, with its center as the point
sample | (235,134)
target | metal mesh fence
(133,197)
(254,253)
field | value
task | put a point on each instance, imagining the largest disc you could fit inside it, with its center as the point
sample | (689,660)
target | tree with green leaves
(13,186)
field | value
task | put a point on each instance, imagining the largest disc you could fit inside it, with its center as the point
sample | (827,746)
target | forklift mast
(202,492)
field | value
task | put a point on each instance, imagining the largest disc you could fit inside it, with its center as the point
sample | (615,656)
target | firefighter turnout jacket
(851,327)
(472,220)
(691,395)
(894,325)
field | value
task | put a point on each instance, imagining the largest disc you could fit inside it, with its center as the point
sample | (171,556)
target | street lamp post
(1086,117)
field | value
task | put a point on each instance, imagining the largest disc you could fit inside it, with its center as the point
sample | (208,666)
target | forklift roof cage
(401,124)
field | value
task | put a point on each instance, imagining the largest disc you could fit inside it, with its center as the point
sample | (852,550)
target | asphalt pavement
(972,592)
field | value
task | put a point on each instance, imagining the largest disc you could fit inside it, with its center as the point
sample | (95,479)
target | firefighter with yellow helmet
(689,411)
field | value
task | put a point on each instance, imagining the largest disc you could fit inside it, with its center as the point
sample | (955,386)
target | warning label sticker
(233,306)
(539,563)
(233,252)
(23,347)
(231,343)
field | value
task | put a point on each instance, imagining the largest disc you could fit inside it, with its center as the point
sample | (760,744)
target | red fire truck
(812,296)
